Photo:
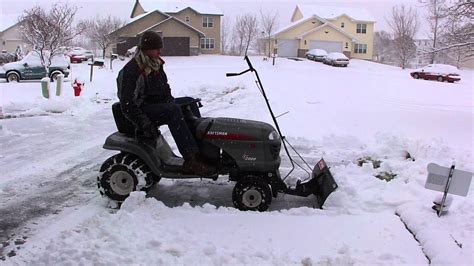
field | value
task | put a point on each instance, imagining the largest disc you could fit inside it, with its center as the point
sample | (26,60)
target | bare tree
(460,33)
(48,31)
(404,24)
(225,35)
(436,15)
(268,22)
(251,24)
(244,33)
(238,36)
(98,29)
(382,43)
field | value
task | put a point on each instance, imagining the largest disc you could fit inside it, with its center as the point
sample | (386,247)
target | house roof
(296,23)
(333,12)
(301,36)
(177,20)
(201,7)
(8,20)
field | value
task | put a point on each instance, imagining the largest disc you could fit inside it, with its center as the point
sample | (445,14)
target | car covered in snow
(336,59)
(316,54)
(439,72)
(30,68)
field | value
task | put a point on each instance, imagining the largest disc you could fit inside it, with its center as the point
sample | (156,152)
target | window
(342,24)
(187,19)
(207,22)
(347,45)
(207,43)
(360,48)
(361,28)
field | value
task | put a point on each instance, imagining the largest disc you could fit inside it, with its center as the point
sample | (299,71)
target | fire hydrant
(77,86)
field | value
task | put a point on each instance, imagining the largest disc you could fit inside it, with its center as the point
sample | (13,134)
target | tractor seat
(123,124)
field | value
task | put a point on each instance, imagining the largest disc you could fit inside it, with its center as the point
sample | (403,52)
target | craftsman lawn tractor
(247,151)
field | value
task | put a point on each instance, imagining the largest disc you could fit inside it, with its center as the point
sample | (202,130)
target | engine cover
(255,146)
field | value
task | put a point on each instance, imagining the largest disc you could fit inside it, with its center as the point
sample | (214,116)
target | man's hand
(150,130)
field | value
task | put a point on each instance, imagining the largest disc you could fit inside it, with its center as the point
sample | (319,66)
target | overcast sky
(231,8)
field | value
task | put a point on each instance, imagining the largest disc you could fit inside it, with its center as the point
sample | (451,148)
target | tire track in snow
(49,199)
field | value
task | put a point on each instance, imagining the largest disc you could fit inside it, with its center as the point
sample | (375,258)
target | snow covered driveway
(49,164)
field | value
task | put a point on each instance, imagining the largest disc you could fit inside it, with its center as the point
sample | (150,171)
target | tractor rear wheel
(122,174)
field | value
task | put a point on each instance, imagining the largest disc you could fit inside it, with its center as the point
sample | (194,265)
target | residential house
(187,28)
(10,38)
(334,29)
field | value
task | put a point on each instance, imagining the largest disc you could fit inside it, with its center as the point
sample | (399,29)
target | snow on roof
(177,20)
(202,7)
(332,12)
(293,24)
(8,20)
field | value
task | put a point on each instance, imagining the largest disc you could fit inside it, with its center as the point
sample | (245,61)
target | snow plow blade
(322,184)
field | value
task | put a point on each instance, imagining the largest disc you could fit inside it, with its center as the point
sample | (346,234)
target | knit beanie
(150,40)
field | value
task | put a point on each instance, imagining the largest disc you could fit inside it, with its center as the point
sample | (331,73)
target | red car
(75,58)
(437,72)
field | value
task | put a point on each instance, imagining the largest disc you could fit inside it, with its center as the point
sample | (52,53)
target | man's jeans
(170,114)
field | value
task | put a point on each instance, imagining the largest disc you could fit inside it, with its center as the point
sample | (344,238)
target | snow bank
(445,240)
(145,231)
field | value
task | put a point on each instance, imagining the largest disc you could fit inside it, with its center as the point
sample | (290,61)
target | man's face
(154,53)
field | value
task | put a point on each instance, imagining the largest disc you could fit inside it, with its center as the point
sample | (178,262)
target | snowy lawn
(52,214)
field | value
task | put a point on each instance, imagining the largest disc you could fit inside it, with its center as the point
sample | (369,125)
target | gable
(144,22)
(297,15)
(173,28)
(11,33)
(326,32)
(333,12)
(137,10)
(295,29)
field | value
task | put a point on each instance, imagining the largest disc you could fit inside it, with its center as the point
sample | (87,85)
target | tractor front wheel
(252,194)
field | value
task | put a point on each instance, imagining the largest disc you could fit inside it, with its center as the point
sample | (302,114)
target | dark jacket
(134,90)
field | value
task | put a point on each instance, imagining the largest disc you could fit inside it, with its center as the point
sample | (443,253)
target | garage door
(288,48)
(326,45)
(177,46)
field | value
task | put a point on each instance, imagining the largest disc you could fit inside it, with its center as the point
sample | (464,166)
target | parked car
(439,72)
(336,59)
(316,54)
(89,55)
(30,68)
(79,55)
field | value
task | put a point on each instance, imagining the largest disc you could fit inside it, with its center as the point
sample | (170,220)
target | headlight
(273,135)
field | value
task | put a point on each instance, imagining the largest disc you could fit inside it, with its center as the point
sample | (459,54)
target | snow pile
(145,231)
(445,240)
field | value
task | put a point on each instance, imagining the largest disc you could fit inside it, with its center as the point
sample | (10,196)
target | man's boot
(196,165)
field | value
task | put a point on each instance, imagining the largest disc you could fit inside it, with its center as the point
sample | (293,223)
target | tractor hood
(222,128)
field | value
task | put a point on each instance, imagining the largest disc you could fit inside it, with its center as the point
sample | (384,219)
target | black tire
(440,79)
(252,194)
(54,75)
(12,77)
(416,76)
(122,174)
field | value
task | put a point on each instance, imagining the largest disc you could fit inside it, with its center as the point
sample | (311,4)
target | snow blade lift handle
(260,86)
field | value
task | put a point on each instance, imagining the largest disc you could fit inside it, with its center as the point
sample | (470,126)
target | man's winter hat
(150,40)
